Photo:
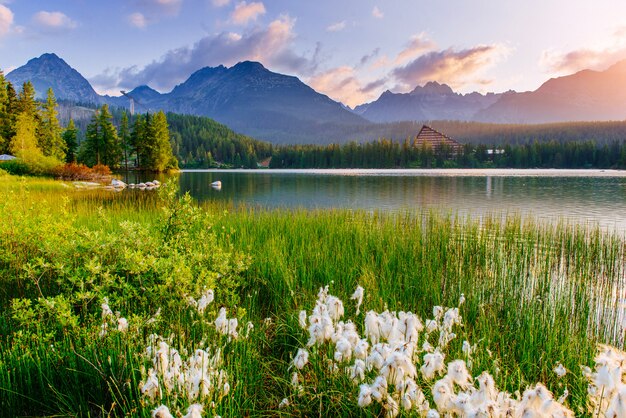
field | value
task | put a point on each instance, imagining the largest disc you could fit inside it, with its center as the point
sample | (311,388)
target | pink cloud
(336,27)
(343,84)
(246,12)
(54,21)
(138,20)
(6,20)
(416,46)
(377,13)
(597,57)
(455,68)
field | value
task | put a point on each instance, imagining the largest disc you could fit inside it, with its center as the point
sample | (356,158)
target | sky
(350,50)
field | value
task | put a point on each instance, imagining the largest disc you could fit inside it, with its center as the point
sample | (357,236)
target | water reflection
(587,200)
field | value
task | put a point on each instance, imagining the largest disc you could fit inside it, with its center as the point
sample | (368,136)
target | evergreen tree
(125,140)
(50,139)
(137,139)
(160,151)
(101,144)
(24,143)
(26,101)
(4,114)
(92,148)
(70,137)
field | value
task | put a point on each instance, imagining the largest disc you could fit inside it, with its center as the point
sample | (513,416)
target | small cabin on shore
(436,140)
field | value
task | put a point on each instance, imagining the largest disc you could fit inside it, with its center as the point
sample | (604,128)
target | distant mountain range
(433,101)
(282,109)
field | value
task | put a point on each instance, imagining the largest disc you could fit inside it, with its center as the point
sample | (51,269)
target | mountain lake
(585,197)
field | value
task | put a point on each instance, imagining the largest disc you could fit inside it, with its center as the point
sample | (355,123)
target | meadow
(150,304)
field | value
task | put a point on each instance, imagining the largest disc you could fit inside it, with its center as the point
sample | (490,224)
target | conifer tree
(50,139)
(137,137)
(112,146)
(70,137)
(101,144)
(161,157)
(4,114)
(125,141)
(26,100)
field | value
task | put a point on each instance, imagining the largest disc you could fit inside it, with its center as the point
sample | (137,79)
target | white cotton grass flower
(122,324)
(392,409)
(221,322)
(564,396)
(432,413)
(161,412)
(205,300)
(301,359)
(358,297)
(433,364)
(335,307)
(283,404)
(560,370)
(194,411)
(462,299)
(106,310)
(343,350)
(466,348)
(458,374)
(151,388)
(431,326)
(365,396)
(103,329)
(302,317)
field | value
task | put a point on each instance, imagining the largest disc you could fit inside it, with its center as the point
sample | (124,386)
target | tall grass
(536,294)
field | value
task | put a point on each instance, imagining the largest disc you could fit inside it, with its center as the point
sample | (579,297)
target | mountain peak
(433,87)
(249,66)
(51,71)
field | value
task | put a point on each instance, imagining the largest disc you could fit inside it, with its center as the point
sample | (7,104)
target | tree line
(385,153)
(30,130)
(200,142)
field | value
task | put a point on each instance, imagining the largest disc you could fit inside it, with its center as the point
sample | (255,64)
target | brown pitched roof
(436,139)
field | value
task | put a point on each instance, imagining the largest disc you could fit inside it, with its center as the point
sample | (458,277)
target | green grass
(536,294)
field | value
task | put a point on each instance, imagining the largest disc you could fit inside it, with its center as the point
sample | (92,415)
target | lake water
(595,197)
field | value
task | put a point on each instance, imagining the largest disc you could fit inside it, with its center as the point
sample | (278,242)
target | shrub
(80,172)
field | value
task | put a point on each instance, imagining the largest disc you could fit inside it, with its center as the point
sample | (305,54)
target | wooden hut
(436,140)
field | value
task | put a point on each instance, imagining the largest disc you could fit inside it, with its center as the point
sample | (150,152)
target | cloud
(342,84)
(367,58)
(271,45)
(6,20)
(377,13)
(138,20)
(53,21)
(598,57)
(246,12)
(152,11)
(220,3)
(416,46)
(455,68)
(336,27)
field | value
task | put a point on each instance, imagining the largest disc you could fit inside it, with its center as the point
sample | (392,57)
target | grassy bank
(534,296)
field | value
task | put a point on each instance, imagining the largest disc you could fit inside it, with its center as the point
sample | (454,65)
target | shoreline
(428,172)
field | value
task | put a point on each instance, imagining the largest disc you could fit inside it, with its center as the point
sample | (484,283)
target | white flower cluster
(200,378)
(111,320)
(607,390)
(394,362)
(205,300)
